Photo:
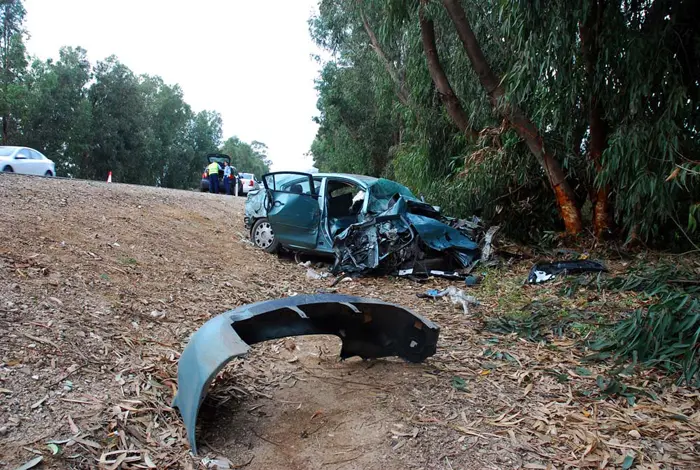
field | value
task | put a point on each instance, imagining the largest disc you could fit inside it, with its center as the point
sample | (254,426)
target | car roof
(363,178)
(12,147)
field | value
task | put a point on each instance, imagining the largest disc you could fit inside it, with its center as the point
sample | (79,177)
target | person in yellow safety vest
(213,170)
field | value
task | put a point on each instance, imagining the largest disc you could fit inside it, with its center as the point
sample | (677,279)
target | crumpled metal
(405,232)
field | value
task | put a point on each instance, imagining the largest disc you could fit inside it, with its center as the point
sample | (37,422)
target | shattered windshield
(381,192)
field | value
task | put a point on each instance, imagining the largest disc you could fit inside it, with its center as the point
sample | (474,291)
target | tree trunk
(401,91)
(5,67)
(597,141)
(526,129)
(442,83)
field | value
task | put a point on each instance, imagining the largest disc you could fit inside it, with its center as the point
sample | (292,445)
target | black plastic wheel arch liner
(368,328)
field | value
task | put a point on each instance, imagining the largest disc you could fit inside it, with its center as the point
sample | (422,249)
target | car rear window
(6,152)
(247,176)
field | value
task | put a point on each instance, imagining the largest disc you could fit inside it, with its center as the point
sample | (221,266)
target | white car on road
(26,161)
(247,183)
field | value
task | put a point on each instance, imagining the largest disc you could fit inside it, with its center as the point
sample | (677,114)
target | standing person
(227,178)
(213,170)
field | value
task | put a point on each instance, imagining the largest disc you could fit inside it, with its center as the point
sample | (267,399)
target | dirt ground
(102,284)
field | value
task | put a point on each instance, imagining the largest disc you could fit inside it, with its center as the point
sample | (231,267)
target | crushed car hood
(368,328)
(406,233)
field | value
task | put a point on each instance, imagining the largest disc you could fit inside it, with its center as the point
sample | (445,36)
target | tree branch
(401,91)
(437,73)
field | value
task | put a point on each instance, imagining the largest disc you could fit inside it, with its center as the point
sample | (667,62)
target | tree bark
(597,142)
(401,91)
(5,68)
(526,129)
(437,73)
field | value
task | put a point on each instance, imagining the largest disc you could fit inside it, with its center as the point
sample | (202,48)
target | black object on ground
(543,272)
(368,328)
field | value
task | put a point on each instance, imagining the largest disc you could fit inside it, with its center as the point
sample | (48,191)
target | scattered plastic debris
(429,294)
(472,280)
(411,272)
(314,275)
(221,463)
(543,272)
(456,296)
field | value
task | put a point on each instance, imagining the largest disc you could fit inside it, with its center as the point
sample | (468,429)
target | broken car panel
(367,223)
(543,272)
(368,328)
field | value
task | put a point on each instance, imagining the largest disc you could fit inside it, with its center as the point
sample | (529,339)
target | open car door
(293,209)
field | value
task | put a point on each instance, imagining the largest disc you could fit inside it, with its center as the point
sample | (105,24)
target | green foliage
(666,333)
(95,119)
(13,63)
(541,322)
(247,158)
(644,77)
(57,116)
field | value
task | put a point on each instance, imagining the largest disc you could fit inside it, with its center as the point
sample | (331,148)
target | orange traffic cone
(109,177)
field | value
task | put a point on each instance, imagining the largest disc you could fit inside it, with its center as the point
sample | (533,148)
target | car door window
(293,208)
(344,199)
(24,154)
(294,183)
(36,155)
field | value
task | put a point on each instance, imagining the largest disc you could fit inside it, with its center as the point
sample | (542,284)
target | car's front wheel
(48,173)
(263,236)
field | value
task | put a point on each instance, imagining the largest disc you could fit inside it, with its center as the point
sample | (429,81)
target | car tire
(48,173)
(263,236)
(8,169)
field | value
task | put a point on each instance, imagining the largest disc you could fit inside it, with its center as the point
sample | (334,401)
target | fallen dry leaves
(101,286)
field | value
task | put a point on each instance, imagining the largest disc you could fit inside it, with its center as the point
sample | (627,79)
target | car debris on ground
(543,272)
(368,328)
(456,296)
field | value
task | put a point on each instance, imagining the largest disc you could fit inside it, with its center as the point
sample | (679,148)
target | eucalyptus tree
(537,113)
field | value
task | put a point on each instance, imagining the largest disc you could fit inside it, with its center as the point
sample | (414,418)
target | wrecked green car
(367,224)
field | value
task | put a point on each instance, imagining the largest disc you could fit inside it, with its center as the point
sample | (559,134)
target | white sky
(250,60)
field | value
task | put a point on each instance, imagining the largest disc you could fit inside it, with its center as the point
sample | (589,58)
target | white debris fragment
(458,297)
(315,275)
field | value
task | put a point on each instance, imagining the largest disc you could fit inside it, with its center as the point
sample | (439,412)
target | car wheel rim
(264,236)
